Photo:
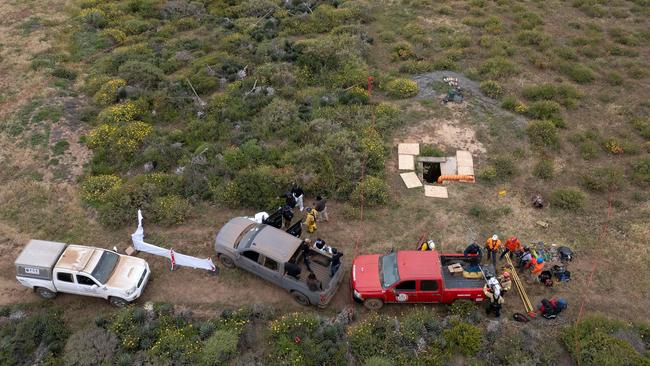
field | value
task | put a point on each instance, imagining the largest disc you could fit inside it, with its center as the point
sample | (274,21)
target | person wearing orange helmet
(512,245)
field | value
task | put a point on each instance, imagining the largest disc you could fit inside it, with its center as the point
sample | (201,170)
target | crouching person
(551,308)
(495,300)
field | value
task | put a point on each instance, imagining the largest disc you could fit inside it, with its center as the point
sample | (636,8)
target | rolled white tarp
(177,259)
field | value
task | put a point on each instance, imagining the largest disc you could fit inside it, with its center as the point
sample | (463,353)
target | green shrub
(643,126)
(505,167)
(509,103)
(544,109)
(170,210)
(255,188)
(355,95)
(377,361)
(64,73)
(403,51)
(219,348)
(569,199)
(141,74)
(416,67)
(533,38)
(371,337)
(589,150)
(544,169)
(402,88)
(614,79)
(488,174)
(90,347)
(464,309)
(641,170)
(372,146)
(94,189)
(492,89)
(372,191)
(37,338)
(431,150)
(591,343)
(543,134)
(603,179)
(564,94)
(497,68)
(463,338)
(577,72)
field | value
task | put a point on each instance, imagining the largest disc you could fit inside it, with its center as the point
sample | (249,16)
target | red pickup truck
(410,276)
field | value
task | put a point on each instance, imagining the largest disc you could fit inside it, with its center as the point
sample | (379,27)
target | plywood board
(436,191)
(408,149)
(406,162)
(411,180)
(465,162)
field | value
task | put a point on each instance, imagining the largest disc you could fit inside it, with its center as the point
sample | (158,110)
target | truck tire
(118,302)
(227,261)
(45,293)
(373,304)
(300,298)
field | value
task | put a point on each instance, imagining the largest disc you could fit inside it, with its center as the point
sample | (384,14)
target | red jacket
(513,244)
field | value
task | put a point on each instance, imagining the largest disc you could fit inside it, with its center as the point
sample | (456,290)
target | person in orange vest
(512,245)
(492,246)
(537,267)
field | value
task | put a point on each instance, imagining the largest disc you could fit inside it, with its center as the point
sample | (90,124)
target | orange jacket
(513,244)
(493,245)
(537,267)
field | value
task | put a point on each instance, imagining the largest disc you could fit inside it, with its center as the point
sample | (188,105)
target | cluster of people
(295,197)
(306,249)
(526,259)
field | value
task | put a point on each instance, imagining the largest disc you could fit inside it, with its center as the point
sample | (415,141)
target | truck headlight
(357,294)
(130,291)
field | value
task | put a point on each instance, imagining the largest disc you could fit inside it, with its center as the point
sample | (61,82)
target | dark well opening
(431,171)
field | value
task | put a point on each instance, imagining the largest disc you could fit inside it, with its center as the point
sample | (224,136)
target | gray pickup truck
(265,250)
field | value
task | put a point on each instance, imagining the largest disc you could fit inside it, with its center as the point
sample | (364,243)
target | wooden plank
(406,162)
(411,180)
(436,191)
(408,149)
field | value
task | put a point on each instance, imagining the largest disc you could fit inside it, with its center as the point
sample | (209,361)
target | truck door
(64,282)
(269,270)
(403,292)
(429,291)
(87,286)
(249,261)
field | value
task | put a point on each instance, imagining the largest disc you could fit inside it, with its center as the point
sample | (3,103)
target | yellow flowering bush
(120,113)
(94,189)
(374,150)
(114,35)
(613,146)
(176,343)
(402,88)
(107,93)
(93,16)
(170,210)
(123,139)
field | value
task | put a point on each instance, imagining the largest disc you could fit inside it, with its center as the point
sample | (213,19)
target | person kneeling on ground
(505,282)
(551,308)
(313,283)
(525,259)
(495,300)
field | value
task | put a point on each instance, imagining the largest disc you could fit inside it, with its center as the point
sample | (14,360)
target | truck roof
(40,253)
(415,264)
(79,257)
(275,243)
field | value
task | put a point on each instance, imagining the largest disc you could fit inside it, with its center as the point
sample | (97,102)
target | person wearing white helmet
(492,246)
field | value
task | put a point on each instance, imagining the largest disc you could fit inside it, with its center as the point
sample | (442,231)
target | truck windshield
(247,236)
(388,270)
(105,266)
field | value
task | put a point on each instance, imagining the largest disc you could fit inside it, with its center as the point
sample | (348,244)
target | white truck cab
(49,267)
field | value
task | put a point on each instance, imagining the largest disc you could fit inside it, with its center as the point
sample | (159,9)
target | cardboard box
(455,268)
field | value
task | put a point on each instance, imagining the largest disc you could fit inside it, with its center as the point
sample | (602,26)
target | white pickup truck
(49,267)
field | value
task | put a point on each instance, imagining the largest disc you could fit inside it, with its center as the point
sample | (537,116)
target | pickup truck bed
(457,280)
(322,272)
